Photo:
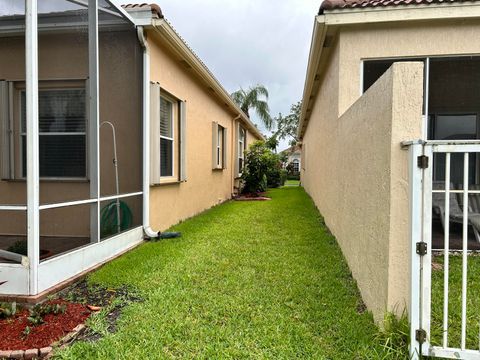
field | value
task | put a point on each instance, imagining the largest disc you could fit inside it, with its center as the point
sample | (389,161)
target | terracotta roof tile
(156,10)
(352,4)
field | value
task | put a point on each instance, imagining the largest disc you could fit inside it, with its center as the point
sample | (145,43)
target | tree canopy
(255,98)
(287,126)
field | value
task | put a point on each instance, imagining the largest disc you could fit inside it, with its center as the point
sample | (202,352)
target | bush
(262,169)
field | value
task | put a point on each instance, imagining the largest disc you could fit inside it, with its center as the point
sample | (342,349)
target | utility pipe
(149,232)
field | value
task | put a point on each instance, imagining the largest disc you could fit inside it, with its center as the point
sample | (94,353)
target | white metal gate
(444,323)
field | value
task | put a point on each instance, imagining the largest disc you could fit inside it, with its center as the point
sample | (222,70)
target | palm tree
(252,99)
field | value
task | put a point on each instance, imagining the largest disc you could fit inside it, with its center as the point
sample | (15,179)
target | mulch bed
(253,197)
(81,300)
(54,328)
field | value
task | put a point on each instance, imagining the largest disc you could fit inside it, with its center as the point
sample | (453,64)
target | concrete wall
(204,188)
(357,175)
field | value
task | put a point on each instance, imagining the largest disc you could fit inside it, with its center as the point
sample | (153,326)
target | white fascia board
(401,13)
(316,50)
(179,45)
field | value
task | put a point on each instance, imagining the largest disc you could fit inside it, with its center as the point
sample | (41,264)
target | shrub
(20,247)
(262,169)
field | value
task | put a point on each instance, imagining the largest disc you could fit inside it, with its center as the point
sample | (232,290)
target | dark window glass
(62,133)
(166,157)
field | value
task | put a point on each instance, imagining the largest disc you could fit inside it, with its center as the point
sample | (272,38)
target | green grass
(455,302)
(248,280)
(292,183)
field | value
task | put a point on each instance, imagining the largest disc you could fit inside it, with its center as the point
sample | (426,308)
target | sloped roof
(154,8)
(359,4)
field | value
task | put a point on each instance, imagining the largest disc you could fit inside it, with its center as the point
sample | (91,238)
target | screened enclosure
(71,187)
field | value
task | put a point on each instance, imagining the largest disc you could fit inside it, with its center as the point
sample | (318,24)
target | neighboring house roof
(351,4)
(154,8)
(156,20)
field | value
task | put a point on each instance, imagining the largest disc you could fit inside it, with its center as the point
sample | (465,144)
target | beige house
(380,74)
(294,158)
(111,130)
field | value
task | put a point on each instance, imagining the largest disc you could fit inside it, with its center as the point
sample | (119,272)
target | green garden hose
(109,224)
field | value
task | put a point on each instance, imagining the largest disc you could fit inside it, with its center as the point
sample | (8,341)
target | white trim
(172,138)
(12,208)
(60,268)
(16,277)
(93,150)
(362,76)
(31,97)
(88,201)
(400,13)
(149,232)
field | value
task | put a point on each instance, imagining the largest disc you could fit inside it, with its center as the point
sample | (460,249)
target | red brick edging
(43,353)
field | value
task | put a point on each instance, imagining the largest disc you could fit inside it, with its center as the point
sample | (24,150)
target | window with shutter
(166,137)
(62,133)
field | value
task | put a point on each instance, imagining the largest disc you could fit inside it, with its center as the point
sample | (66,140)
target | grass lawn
(455,301)
(247,280)
(292,183)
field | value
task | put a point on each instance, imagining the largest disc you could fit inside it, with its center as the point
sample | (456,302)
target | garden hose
(109,222)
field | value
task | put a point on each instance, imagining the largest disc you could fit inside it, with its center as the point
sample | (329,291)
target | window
(62,133)
(242,147)
(220,148)
(296,166)
(374,69)
(166,137)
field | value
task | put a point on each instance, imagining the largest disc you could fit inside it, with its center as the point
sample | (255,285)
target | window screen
(62,133)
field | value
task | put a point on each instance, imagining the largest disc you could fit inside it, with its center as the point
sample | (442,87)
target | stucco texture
(204,187)
(356,172)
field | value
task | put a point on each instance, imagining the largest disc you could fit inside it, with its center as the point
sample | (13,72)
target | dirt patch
(17,332)
(110,301)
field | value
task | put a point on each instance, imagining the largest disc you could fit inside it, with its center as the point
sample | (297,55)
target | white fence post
(416,210)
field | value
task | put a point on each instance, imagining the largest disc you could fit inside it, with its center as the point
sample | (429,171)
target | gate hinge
(422,248)
(422,161)
(421,336)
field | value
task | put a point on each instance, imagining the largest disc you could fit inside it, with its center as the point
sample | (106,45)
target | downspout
(234,149)
(149,232)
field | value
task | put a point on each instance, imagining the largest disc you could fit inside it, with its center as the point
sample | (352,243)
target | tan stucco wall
(357,175)
(410,39)
(64,57)
(204,188)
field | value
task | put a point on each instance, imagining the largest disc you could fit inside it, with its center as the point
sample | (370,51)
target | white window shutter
(214,144)
(5,132)
(235,146)
(183,140)
(154,133)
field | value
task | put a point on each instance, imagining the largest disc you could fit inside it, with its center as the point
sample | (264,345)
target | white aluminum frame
(421,280)
(32,277)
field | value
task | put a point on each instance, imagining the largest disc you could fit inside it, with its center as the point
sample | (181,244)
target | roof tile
(155,9)
(351,4)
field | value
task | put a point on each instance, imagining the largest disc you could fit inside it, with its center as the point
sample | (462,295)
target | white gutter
(149,232)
